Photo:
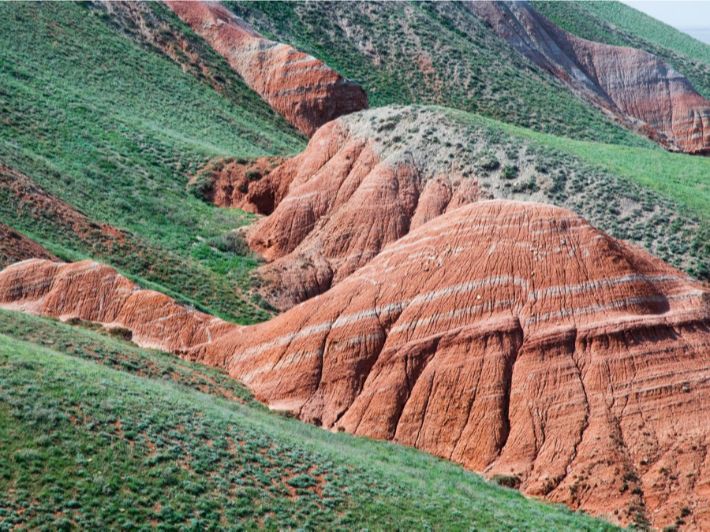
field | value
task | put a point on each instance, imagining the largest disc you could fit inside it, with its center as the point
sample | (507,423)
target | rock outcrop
(304,90)
(235,183)
(367,179)
(343,204)
(511,337)
(634,86)
(15,246)
(94,292)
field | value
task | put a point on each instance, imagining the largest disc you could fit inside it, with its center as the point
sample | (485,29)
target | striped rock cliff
(338,204)
(95,292)
(304,90)
(634,86)
(513,338)
(368,178)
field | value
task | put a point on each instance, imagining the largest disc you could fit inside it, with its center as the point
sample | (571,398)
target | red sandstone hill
(634,86)
(369,178)
(298,86)
(336,205)
(511,337)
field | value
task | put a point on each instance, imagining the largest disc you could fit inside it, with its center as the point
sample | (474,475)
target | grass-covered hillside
(432,53)
(621,25)
(114,128)
(96,433)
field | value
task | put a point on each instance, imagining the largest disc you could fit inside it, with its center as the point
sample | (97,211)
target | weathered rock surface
(367,179)
(511,337)
(94,292)
(236,183)
(305,91)
(632,85)
(15,246)
(343,205)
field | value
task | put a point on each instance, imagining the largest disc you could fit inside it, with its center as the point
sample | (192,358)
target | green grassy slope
(115,128)
(621,25)
(431,53)
(83,444)
(678,177)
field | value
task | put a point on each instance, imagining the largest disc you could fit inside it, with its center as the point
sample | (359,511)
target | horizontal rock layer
(632,85)
(511,337)
(304,90)
(94,292)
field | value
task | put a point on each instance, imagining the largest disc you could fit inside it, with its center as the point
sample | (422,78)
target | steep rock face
(511,337)
(343,205)
(367,179)
(635,86)
(298,86)
(15,247)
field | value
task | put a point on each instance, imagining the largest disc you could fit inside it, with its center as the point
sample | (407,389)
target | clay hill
(634,86)
(305,91)
(511,337)
(369,178)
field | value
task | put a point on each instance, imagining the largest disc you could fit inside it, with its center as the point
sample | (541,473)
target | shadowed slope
(15,246)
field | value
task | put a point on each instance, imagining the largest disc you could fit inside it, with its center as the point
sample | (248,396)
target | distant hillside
(619,24)
(431,53)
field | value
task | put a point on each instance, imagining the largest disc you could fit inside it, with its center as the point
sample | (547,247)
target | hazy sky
(678,13)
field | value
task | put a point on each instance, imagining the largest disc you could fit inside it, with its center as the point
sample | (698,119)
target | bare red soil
(236,183)
(15,246)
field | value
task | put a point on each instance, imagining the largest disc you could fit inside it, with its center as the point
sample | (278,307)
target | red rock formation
(95,292)
(511,337)
(236,183)
(298,86)
(337,205)
(634,86)
(15,247)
